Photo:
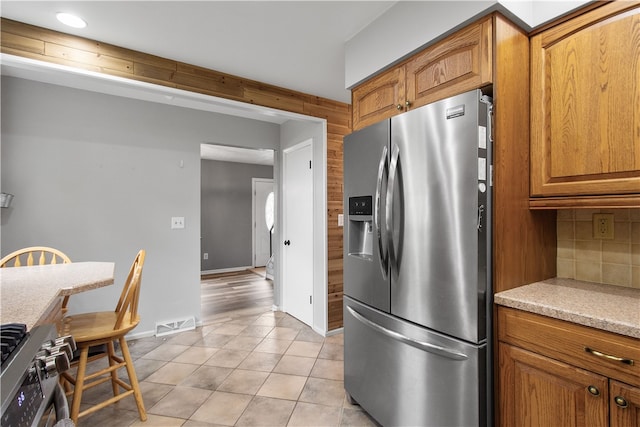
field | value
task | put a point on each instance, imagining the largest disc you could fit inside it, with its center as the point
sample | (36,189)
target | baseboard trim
(225,270)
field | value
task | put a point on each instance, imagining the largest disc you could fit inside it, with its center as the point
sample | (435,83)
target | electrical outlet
(603,226)
(206,255)
(177,222)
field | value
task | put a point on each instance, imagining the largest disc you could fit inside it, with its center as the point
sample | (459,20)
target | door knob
(287,242)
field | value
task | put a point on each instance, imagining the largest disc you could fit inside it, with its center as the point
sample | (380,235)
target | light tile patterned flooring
(246,368)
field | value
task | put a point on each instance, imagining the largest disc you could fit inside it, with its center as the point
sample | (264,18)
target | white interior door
(298,232)
(261,249)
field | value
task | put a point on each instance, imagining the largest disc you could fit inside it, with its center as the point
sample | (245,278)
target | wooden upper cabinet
(379,98)
(454,65)
(585,106)
(459,63)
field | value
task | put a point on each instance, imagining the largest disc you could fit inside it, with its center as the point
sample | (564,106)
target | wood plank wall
(51,46)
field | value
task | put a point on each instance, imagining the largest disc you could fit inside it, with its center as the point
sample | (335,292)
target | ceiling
(297,45)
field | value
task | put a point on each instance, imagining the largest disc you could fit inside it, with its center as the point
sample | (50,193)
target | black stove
(31,361)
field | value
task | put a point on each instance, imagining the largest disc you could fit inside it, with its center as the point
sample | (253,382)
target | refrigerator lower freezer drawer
(406,375)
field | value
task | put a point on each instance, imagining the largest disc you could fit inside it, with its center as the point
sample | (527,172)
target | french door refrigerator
(417,265)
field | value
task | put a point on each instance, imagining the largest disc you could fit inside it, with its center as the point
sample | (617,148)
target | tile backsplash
(581,257)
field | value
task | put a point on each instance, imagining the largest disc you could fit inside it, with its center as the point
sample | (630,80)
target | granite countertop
(28,292)
(607,307)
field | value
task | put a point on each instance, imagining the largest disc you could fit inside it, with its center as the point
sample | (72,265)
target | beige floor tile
(323,392)
(196,355)
(357,417)
(159,421)
(332,351)
(245,382)
(265,411)
(291,322)
(308,334)
(230,329)
(166,352)
(273,346)
(172,373)
(282,386)
(279,333)
(110,416)
(257,361)
(257,331)
(214,340)
(151,394)
(207,377)
(329,369)
(295,365)
(335,339)
(186,337)
(243,342)
(181,402)
(146,367)
(222,408)
(227,358)
(304,349)
(310,414)
(266,321)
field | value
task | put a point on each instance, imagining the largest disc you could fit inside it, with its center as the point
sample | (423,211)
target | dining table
(33,295)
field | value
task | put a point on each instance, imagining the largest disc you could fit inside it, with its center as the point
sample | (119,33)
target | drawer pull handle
(620,401)
(608,356)
(593,390)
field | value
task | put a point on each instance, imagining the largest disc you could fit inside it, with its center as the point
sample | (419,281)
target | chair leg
(77,390)
(133,378)
(114,375)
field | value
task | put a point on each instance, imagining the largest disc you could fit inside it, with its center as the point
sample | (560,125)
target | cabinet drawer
(609,354)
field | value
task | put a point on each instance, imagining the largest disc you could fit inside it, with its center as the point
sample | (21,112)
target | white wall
(294,132)
(99,177)
(409,26)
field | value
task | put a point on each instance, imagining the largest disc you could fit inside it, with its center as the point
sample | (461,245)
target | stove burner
(11,335)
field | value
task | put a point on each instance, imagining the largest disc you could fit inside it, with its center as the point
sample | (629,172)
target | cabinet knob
(399,106)
(621,401)
(408,104)
(593,390)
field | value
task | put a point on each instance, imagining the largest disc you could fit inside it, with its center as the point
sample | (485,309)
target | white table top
(26,293)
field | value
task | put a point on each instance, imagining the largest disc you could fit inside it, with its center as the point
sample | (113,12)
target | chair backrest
(128,303)
(27,255)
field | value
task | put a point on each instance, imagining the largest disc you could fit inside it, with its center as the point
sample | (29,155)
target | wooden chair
(25,257)
(95,329)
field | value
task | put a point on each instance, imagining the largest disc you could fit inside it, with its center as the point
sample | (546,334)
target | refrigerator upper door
(365,249)
(433,198)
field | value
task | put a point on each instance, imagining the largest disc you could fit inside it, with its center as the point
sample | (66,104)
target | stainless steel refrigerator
(417,265)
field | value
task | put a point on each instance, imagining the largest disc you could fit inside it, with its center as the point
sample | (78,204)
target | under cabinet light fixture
(71,20)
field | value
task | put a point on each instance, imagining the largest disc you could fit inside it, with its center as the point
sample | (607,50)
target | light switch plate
(340,220)
(177,222)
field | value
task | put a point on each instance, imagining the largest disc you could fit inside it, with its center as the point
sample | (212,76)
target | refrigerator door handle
(421,345)
(393,169)
(384,257)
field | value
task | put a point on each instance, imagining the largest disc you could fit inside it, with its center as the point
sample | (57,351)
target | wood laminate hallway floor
(246,366)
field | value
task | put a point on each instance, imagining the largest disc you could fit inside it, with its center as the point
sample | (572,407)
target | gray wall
(226,210)
(99,177)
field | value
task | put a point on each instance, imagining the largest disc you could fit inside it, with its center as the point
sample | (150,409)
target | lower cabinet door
(539,391)
(625,405)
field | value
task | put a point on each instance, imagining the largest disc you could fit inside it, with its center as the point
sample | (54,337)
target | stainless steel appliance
(417,276)
(31,361)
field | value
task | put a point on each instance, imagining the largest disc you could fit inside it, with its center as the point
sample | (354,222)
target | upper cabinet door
(585,105)
(459,63)
(379,98)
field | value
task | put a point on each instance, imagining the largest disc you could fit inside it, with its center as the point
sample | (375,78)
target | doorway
(298,220)
(263,220)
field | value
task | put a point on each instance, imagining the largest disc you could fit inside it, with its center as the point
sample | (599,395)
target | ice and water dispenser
(360,227)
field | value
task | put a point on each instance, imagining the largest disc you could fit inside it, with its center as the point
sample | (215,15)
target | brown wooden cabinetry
(585,110)
(454,65)
(553,372)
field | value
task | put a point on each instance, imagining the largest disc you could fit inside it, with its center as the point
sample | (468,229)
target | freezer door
(434,182)
(365,178)
(406,375)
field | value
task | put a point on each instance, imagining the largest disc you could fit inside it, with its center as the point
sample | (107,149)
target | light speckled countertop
(26,293)
(610,308)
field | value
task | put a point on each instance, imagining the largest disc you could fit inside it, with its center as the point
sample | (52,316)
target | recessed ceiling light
(71,20)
